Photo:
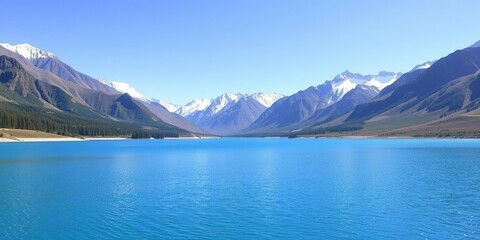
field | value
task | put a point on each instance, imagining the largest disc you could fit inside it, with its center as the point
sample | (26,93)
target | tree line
(32,118)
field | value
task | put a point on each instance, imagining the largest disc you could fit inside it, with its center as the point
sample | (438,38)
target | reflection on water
(241,188)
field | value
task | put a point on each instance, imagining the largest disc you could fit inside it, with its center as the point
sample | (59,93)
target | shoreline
(71,139)
(19,140)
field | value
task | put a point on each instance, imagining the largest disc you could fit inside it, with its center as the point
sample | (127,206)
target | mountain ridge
(349,101)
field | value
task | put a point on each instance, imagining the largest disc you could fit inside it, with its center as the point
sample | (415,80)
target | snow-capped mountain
(28,51)
(126,88)
(219,103)
(207,105)
(346,81)
(161,109)
(171,107)
(49,62)
(216,105)
(239,113)
(222,101)
(424,65)
(229,112)
(266,99)
(302,105)
(194,106)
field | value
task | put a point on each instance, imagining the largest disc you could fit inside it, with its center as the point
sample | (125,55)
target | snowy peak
(340,88)
(220,102)
(28,51)
(352,77)
(171,107)
(266,99)
(347,81)
(103,81)
(194,106)
(423,65)
(125,88)
(382,79)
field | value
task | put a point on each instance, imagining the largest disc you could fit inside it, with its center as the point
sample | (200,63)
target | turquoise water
(241,188)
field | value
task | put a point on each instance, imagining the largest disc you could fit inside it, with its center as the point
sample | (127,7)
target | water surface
(241,188)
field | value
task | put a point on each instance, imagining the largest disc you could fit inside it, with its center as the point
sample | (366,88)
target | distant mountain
(304,104)
(194,106)
(200,117)
(229,112)
(416,94)
(125,88)
(171,107)
(39,91)
(14,77)
(156,107)
(266,99)
(445,93)
(49,62)
(34,104)
(239,116)
(28,51)
(49,68)
(424,65)
(360,94)
(100,101)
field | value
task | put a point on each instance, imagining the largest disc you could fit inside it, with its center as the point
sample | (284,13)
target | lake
(241,189)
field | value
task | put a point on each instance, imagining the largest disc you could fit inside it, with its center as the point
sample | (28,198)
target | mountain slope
(194,106)
(49,62)
(360,94)
(126,88)
(171,118)
(224,101)
(475,45)
(158,109)
(101,100)
(95,105)
(28,103)
(245,111)
(229,112)
(302,105)
(14,77)
(414,95)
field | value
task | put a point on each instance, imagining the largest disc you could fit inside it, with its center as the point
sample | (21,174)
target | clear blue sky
(178,50)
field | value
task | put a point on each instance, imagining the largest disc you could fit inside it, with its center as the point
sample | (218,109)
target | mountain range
(228,113)
(307,104)
(436,98)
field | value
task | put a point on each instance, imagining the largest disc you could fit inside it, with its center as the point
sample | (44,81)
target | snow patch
(423,66)
(171,107)
(194,106)
(28,51)
(125,88)
(266,99)
(341,88)
(220,102)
